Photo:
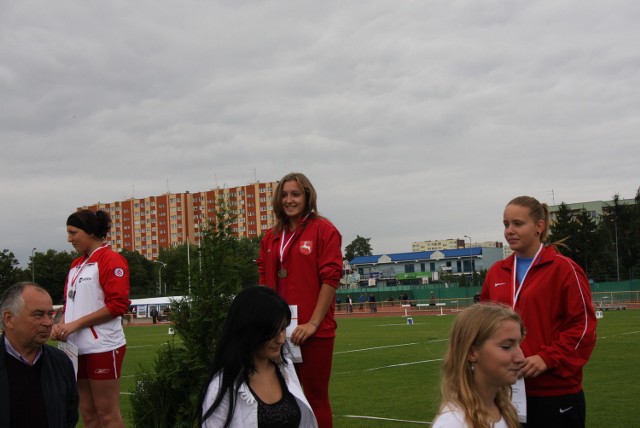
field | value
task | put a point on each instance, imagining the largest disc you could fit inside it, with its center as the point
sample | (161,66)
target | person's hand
(533,366)
(303,332)
(62,331)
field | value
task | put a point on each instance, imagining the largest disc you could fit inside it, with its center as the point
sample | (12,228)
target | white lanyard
(516,290)
(283,245)
(84,263)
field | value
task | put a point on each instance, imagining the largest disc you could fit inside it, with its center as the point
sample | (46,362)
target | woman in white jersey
(97,295)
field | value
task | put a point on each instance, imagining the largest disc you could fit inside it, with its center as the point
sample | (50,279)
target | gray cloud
(415,120)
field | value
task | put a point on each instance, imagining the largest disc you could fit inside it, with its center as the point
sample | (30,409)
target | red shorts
(102,366)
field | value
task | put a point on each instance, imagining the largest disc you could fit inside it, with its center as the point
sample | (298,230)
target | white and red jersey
(94,282)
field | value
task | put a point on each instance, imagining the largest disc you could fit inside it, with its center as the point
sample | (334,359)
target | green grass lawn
(386,373)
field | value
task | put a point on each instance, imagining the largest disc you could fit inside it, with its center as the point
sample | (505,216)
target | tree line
(608,248)
(49,269)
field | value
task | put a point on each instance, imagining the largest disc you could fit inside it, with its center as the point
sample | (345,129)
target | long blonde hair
(472,327)
(310,197)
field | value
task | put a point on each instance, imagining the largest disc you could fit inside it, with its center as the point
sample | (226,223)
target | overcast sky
(415,120)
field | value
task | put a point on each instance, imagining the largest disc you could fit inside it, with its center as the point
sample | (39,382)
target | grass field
(386,373)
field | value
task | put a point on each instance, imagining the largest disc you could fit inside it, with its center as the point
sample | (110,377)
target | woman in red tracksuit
(301,258)
(552,295)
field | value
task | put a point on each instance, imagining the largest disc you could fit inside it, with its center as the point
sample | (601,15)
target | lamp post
(615,225)
(33,265)
(160,276)
(470,257)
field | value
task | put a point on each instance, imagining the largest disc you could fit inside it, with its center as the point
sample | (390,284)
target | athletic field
(386,372)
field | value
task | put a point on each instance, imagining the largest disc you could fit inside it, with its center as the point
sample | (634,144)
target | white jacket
(451,416)
(245,414)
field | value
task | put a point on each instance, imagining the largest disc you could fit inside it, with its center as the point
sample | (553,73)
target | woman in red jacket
(552,295)
(301,258)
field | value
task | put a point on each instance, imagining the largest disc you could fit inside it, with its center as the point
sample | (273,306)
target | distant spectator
(154,314)
(476,297)
(373,306)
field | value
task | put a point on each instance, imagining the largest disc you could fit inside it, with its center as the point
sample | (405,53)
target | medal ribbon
(517,289)
(82,265)
(283,245)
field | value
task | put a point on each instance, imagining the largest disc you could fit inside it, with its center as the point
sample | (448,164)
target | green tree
(357,248)
(563,229)
(175,275)
(619,224)
(167,396)
(50,271)
(10,273)
(141,274)
(586,240)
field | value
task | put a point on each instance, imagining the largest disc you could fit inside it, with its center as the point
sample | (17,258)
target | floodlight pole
(33,265)
(160,276)
(470,257)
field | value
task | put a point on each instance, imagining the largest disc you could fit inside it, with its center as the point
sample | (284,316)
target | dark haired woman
(97,295)
(301,258)
(552,295)
(253,384)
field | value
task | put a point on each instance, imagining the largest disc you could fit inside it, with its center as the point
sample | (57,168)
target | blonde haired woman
(552,295)
(301,259)
(482,362)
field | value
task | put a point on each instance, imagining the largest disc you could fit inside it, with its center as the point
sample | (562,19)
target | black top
(281,414)
(26,401)
(58,387)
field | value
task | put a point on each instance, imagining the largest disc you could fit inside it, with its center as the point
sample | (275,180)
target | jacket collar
(547,254)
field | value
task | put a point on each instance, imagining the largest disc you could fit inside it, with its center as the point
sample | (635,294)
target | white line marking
(375,348)
(403,364)
(384,419)
(631,332)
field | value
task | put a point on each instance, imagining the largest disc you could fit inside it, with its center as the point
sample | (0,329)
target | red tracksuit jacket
(313,257)
(557,311)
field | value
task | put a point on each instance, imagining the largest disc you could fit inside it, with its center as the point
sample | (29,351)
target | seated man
(37,381)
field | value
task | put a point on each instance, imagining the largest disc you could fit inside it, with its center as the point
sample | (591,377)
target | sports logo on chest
(306,247)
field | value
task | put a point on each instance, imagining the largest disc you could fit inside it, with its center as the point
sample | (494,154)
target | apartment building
(595,209)
(442,244)
(147,224)
(451,244)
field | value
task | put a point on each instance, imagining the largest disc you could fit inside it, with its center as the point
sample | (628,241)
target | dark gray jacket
(58,382)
